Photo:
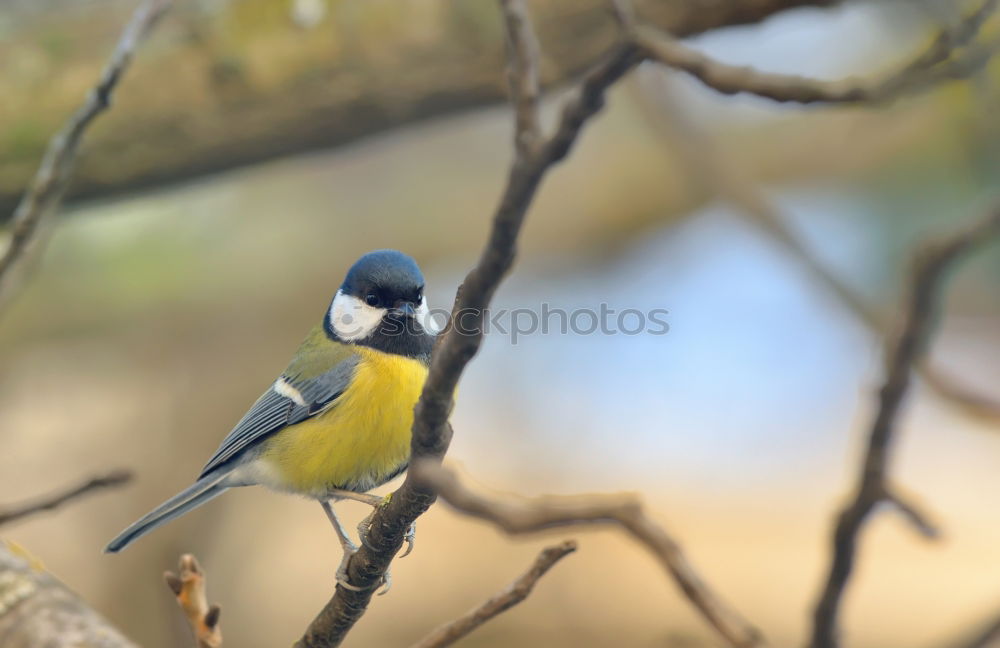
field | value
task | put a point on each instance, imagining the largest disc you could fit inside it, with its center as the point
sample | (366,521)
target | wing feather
(274,411)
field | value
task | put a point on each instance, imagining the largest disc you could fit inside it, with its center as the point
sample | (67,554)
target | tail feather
(194,496)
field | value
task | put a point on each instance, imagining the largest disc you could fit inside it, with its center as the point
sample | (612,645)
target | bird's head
(382,296)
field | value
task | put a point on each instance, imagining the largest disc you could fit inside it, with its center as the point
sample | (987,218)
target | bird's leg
(366,524)
(345,542)
(364,498)
(350,548)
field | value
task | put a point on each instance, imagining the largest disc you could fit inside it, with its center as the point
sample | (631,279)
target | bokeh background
(164,305)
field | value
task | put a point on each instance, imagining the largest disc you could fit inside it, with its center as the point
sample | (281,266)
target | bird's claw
(411,540)
(386,584)
(365,527)
(342,579)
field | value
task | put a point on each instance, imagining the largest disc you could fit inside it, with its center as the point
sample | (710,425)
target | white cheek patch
(425,319)
(352,319)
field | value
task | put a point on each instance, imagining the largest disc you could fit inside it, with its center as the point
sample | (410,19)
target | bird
(336,423)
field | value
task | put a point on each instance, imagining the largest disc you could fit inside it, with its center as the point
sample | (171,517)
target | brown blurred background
(184,273)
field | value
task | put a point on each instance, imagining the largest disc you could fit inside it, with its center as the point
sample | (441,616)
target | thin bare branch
(46,190)
(500,602)
(710,169)
(189,588)
(907,348)
(623,510)
(453,350)
(522,74)
(112,479)
(934,65)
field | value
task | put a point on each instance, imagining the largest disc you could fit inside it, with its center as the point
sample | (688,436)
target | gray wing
(288,401)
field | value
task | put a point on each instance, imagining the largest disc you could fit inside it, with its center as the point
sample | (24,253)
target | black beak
(405,308)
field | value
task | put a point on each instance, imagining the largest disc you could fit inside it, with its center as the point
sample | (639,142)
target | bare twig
(189,588)
(46,190)
(50,502)
(623,510)
(459,343)
(931,66)
(907,348)
(500,602)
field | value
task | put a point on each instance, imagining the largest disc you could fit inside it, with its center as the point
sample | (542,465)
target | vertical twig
(926,285)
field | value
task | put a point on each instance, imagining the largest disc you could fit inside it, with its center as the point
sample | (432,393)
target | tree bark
(38,611)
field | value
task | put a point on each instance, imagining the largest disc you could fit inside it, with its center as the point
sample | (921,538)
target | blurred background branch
(922,303)
(936,64)
(229,106)
(16,512)
(46,189)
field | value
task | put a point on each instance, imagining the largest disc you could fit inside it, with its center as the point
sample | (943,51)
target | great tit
(336,423)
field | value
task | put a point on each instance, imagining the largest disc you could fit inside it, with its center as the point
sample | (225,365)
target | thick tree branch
(937,63)
(907,348)
(189,588)
(38,610)
(414,81)
(47,503)
(49,184)
(499,603)
(625,511)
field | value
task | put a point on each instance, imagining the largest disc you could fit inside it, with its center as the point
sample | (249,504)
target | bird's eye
(371,299)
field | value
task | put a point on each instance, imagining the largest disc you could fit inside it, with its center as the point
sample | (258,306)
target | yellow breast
(360,442)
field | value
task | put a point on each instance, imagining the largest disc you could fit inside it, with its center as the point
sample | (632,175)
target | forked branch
(622,510)
(908,347)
